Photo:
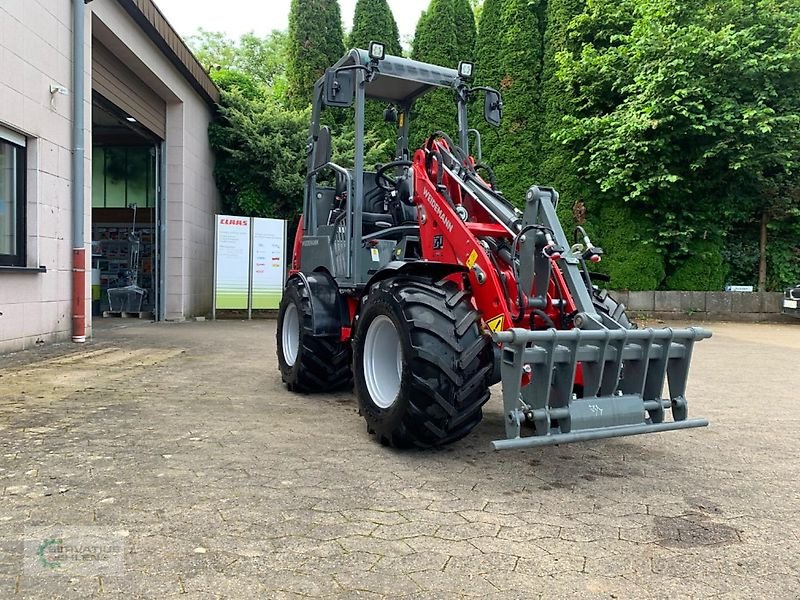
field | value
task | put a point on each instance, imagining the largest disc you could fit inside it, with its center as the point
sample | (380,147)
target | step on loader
(420,284)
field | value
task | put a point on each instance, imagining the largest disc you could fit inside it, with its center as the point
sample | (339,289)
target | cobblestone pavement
(179,444)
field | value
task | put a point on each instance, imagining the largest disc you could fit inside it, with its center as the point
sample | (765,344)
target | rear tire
(420,362)
(308,363)
(605,303)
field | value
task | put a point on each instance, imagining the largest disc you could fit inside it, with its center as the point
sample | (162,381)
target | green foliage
(213,49)
(444,36)
(230,80)
(632,262)
(669,128)
(509,58)
(477,10)
(373,20)
(376,148)
(703,270)
(466,32)
(315,43)
(555,166)
(690,112)
(259,148)
(783,254)
(261,59)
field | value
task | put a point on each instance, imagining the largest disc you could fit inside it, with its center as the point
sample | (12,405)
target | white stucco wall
(35,53)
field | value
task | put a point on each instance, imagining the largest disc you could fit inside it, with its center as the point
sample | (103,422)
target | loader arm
(527,283)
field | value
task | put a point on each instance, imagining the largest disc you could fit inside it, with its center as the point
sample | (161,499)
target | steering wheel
(382,178)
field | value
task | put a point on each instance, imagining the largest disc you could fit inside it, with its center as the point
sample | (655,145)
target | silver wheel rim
(383,362)
(290,335)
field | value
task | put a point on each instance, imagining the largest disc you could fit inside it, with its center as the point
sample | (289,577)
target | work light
(465,69)
(377,51)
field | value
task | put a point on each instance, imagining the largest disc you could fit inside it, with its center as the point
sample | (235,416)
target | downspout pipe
(78,157)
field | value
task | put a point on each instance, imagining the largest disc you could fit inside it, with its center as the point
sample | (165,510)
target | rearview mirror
(493,107)
(339,87)
(322,149)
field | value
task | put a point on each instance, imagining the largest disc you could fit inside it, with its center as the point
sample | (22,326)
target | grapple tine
(624,371)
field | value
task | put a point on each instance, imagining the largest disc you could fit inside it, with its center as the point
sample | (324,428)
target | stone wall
(714,306)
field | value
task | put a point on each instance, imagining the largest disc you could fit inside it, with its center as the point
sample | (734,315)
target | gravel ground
(174,454)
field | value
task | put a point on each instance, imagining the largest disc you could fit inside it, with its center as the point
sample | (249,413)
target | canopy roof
(400,80)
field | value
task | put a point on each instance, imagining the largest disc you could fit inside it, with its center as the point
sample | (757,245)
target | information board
(268,251)
(232,262)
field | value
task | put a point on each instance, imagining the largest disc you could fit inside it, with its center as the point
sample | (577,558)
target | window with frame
(12,200)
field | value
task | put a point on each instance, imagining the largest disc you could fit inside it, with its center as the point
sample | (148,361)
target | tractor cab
(357,220)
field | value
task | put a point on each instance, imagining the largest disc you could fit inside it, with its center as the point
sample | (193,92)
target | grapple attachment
(623,372)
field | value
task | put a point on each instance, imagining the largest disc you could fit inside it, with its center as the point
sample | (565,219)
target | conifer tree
(445,35)
(509,58)
(315,43)
(556,168)
(465,30)
(373,21)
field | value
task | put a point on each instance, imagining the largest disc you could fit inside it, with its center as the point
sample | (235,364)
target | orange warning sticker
(472,259)
(496,323)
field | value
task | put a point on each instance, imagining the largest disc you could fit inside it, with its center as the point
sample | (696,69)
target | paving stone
(467,531)
(482,563)
(412,563)
(427,543)
(549,564)
(529,532)
(374,516)
(377,546)
(467,584)
(386,584)
(406,530)
(289,497)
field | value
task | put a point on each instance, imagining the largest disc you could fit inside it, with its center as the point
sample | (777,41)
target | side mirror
(340,87)
(322,149)
(493,107)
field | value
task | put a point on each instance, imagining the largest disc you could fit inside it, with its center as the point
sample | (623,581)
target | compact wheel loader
(421,285)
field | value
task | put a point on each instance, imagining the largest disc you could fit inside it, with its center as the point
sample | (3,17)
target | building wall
(35,53)
(191,195)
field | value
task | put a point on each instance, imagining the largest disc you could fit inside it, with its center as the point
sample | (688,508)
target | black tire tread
(325,361)
(604,302)
(450,362)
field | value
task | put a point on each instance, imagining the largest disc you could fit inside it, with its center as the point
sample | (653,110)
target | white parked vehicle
(791,301)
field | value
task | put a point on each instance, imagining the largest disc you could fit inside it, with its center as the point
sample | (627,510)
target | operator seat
(379,211)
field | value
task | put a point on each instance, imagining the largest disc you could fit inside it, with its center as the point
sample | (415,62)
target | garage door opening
(125,214)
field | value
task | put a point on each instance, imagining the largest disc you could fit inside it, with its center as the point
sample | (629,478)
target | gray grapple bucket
(624,371)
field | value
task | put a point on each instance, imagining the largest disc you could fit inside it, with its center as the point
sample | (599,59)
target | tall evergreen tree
(445,35)
(465,30)
(556,96)
(373,20)
(315,43)
(509,57)
(555,167)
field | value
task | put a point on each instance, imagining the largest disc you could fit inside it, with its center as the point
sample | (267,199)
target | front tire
(308,363)
(420,362)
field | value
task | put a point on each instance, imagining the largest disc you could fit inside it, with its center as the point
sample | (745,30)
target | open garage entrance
(128,130)
(125,213)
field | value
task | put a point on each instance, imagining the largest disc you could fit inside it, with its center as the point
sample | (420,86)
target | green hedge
(703,270)
(631,262)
